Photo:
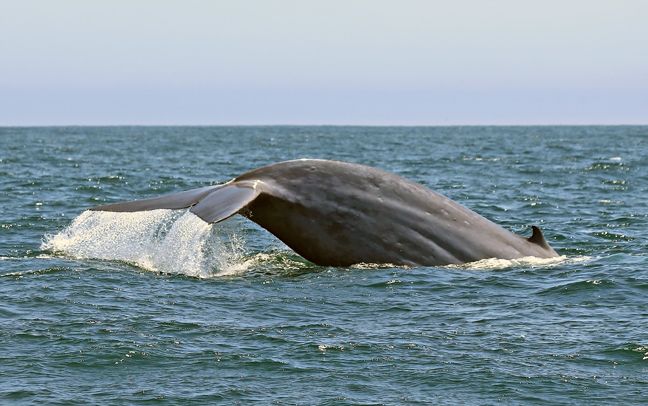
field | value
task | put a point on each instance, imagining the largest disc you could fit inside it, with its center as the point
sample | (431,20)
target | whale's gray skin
(339,214)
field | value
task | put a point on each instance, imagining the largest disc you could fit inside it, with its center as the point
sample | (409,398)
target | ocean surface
(160,308)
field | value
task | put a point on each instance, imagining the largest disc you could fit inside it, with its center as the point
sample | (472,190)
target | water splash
(166,241)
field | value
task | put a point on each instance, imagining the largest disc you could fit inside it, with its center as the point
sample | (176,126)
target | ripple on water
(579,286)
(633,353)
(268,326)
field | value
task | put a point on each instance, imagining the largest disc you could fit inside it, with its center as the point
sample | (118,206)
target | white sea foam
(160,240)
(495,263)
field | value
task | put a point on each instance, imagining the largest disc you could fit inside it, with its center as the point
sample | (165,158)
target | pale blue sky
(401,62)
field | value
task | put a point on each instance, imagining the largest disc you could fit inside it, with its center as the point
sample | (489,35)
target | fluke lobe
(339,214)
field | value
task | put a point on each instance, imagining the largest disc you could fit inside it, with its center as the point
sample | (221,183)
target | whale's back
(338,213)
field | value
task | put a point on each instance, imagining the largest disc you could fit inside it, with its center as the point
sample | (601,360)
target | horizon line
(328,125)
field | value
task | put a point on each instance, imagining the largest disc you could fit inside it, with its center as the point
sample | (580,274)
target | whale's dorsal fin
(537,237)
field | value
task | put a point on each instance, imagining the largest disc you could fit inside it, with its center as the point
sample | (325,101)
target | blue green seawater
(158,308)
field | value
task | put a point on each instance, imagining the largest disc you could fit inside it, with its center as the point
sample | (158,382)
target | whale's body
(339,214)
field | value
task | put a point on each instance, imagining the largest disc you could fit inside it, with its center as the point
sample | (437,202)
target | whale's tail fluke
(211,203)
(172,201)
(224,202)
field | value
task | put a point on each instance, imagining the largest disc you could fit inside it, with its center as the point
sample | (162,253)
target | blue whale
(339,214)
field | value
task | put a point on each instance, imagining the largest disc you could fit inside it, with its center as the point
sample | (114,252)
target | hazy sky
(323,62)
